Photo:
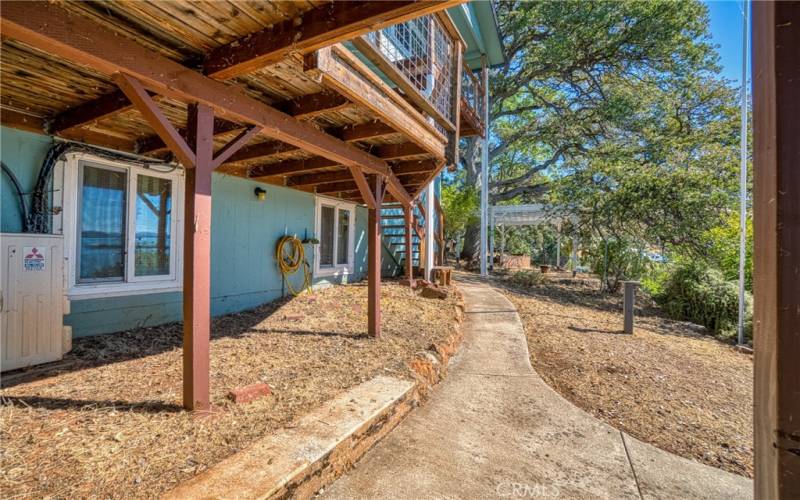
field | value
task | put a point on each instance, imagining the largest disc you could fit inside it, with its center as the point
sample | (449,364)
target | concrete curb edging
(322,445)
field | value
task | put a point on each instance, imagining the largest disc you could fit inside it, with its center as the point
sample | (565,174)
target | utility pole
(743,179)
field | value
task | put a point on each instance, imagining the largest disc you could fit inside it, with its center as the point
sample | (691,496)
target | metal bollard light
(627,305)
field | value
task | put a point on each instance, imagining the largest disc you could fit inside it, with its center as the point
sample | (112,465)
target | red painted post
(374,258)
(197,261)
(408,214)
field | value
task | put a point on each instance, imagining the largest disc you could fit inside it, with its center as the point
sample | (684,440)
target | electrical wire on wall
(23,205)
(36,218)
(291,256)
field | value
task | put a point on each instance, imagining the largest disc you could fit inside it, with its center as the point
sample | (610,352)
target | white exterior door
(32,300)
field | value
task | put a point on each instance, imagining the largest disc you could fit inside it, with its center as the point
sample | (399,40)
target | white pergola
(526,215)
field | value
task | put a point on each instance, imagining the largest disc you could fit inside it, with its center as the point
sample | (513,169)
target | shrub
(624,261)
(700,294)
(527,278)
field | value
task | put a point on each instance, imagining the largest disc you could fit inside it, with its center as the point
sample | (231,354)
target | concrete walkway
(494,429)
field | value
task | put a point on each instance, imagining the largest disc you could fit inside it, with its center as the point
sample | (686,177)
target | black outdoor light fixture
(261,194)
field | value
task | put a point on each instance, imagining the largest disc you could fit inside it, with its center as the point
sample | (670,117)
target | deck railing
(419,57)
(472,94)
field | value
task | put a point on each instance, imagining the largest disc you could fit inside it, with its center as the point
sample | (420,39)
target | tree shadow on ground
(49,403)
(584,292)
(100,350)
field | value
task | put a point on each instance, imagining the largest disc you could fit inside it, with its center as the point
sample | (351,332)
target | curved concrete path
(494,429)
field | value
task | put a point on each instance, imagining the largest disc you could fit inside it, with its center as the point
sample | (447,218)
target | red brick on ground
(249,393)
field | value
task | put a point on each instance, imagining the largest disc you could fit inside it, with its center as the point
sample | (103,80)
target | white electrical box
(32,300)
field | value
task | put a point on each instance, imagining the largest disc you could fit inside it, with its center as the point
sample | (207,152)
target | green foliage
(702,295)
(722,243)
(526,278)
(460,205)
(618,261)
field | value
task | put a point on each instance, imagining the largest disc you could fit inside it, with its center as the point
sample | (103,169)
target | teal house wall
(23,153)
(244,232)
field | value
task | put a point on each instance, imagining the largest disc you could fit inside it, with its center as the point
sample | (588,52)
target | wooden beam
(414,167)
(234,145)
(197,262)
(369,197)
(348,186)
(776,226)
(148,108)
(21,121)
(153,143)
(51,28)
(363,131)
(349,133)
(339,69)
(90,112)
(374,251)
(304,107)
(311,105)
(410,167)
(290,167)
(316,28)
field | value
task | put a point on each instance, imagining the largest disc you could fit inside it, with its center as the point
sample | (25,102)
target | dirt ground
(110,423)
(667,384)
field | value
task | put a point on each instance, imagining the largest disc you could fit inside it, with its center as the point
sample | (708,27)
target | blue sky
(726,29)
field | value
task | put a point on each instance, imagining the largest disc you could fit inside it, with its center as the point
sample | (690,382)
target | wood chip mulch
(109,422)
(667,384)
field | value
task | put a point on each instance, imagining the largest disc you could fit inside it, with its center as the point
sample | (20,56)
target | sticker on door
(33,259)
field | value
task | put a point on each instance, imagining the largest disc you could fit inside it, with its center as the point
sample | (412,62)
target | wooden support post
(374,258)
(197,261)
(776,225)
(628,304)
(408,215)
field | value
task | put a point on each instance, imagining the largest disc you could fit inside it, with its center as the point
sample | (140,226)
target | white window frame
(131,284)
(335,270)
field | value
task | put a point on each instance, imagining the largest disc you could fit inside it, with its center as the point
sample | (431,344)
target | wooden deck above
(285,55)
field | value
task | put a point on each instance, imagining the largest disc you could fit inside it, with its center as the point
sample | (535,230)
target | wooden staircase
(394,236)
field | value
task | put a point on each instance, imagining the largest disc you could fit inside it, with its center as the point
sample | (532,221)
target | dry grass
(112,425)
(666,384)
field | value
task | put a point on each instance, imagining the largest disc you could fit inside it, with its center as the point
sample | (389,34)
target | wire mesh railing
(422,51)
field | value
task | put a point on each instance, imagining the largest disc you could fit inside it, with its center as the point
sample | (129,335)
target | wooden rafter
(48,27)
(352,186)
(90,111)
(303,107)
(349,133)
(153,143)
(316,28)
(341,70)
(410,167)
(23,121)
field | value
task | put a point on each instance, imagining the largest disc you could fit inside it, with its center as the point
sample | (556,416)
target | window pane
(102,225)
(153,225)
(342,239)
(326,236)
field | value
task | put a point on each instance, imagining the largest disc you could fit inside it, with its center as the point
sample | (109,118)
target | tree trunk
(472,235)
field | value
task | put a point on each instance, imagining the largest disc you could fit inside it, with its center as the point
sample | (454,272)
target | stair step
(393,226)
